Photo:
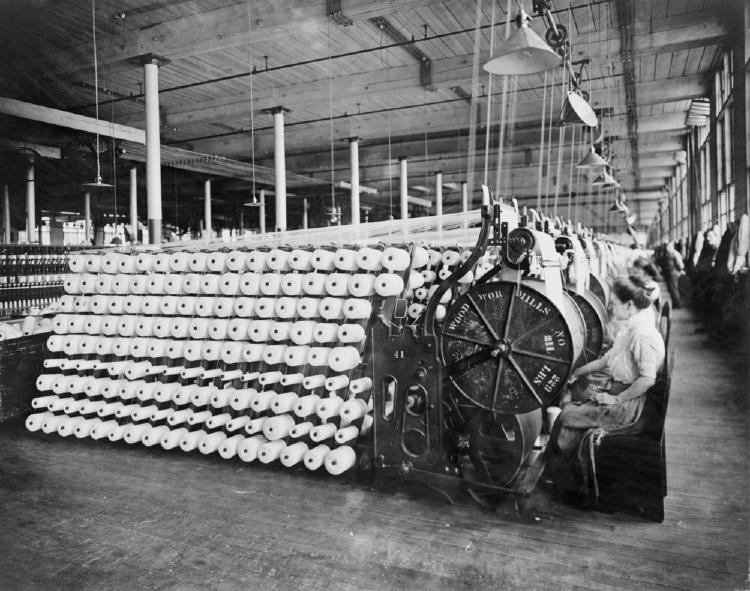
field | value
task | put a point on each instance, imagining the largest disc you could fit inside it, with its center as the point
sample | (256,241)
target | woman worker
(633,362)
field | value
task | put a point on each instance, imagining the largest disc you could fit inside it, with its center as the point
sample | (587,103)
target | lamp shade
(592,161)
(576,110)
(523,52)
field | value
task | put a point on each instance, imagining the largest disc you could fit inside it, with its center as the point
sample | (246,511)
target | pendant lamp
(592,161)
(97,184)
(523,52)
(576,110)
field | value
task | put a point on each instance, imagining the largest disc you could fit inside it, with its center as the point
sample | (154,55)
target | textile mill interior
(417,294)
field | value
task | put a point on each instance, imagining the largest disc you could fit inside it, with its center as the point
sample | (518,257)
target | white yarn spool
(301,429)
(88,344)
(244,307)
(217,329)
(179,416)
(318,356)
(59,387)
(168,305)
(302,331)
(346,434)
(154,285)
(278,427)
(439,312)
(204,306)
(265,307)
(247,451)
(258,330)
(179,327)
(450,257)
(252,352)
(192,440)
(416,280)
(223,307)
(126,264)
(71,284)
(110,262)
(467,277)
(256,261)
(198,327)
(221,398)
(154,435)
(77,263)
(337,284)
(345,259)
(44,382)
(211,442)
(105,346)
(87,283)
(228,447)
(216,262)
(444,299)
(270,451)
(286,307)
(421,294)
(283,402)
(161,262)
(291,284)
(395,259)
(429,276)
(308,307)
(173,284)
(331,308)
(326,332)
(314,381)
(219,420)
(293,454)
(435,257)
(306,405)
(236,261)
(72,344)
(280,331)
(336,382)
(342,359)
(186,305)
(157,348)
(179,262)
(193,350)
(361,285)
(274,354)
(141,413)
(323,260)
(93,324)
(314,284)
(291,379)
(108,326)
(121,284)
(173,438)
(420,257)
(369,259)
(98,304)
(270,284)
(118,432)
(55,343)
(115,304)
(174,349)
(103,429)
(322,432)
(139,347)
(66,426)
(340,460)
(278,260)
(210,284)
(238,329)
(144,262)
(229,284)
(43,401)
(360,385)
(250,284)
(132,304)
(191,284)
(67,303)
(198,262)
(241,399)
(34,422)
(415,310)
(389,284)
(357,309)
(315,457)
(328,408)
(110,409)
(146,391)
(199,417)
(300,260)
(444,273)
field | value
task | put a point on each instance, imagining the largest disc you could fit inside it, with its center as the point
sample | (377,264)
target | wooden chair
(631,467)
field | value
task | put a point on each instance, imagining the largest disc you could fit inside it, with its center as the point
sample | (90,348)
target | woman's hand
(606,399)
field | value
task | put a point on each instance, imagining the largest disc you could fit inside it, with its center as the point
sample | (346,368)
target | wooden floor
(83,515)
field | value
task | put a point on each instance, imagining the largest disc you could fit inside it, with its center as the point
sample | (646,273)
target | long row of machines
(431,358)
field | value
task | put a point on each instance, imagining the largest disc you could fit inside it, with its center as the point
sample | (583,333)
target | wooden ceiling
(398,74)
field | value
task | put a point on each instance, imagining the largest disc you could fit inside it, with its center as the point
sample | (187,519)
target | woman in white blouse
(633,363)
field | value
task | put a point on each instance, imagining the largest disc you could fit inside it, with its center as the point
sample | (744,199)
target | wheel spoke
(463,365)
(482,317)
(526,381)
(498,377)
(536,355)
(509,312)
(467,339)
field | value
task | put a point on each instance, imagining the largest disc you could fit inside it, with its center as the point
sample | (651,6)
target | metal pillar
(133,204)
(207,210)
(279,160)
(262,211)
(30,203)
(87,216)
(439,199)
(354,164)
(6,215)
(304,214)
(404,192)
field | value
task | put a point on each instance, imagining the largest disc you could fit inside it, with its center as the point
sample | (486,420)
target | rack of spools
(430,359)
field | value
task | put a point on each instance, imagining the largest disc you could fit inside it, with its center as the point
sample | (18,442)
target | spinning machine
(428,361)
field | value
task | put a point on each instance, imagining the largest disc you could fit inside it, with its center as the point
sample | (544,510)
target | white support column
(207,210)
(262,211)
(354,164)
(151,65)
(279,160)
(464,199)
(439,199)
(87,216)
(30,203)
(404,192)
(133,204)
(6,215)
(304,214)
